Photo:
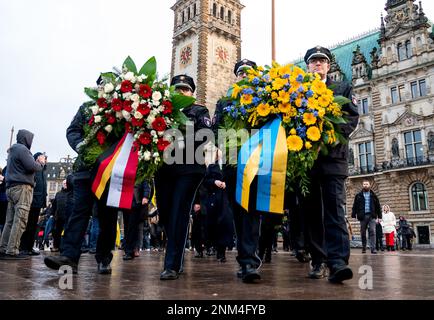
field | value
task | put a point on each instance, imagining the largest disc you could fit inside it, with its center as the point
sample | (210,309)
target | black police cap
(183,80)
(317,52)
(245,63)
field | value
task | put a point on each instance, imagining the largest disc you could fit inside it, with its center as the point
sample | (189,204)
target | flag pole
(273,31)
(12,135)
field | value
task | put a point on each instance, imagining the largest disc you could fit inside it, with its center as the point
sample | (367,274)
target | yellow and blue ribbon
(264,155)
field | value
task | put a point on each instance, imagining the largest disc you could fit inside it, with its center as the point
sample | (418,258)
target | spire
(383,28)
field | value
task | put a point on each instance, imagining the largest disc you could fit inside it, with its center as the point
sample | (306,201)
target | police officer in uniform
(176,185)
(326,232)
(247,225)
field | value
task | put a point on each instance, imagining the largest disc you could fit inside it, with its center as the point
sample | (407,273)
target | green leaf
(180,118)
(91,93)
(109,77)
(149,68)
(335,120)
(341,100)
(130,65)
(180,101)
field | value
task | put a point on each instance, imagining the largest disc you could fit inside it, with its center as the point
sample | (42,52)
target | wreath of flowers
(135,102)
(309,111)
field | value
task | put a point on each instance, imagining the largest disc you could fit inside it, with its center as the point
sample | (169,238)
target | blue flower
(304,102)
(315,113)
(255,81)
(301,131)
(294,96)
(256,101)
(301,111)
(301,89)
(309,94)
(300,78)
(285,76)
(234,114)
(266,78)
(243,111)
(247,91)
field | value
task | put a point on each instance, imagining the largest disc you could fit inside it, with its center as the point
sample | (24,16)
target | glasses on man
(320,60)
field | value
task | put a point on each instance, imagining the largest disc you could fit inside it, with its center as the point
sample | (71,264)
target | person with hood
(39,201)
(20,182)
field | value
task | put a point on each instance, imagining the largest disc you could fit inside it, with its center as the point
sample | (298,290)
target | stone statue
(351,157)
(395,148)
(431,142)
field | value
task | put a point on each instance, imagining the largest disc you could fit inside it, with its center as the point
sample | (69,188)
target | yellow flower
(246,99)
(268,88)
(235,91)
(285,69)
(319,87)
(298,102)
(309,119)
(287,118)
(324,101)
(312,103)
(274,95)
(283,97)
(313,134)
(332,136)
(294,143)
(263,109)
(321,112)
(274,73)
(260,68)
(279,83)
(293,132)
(307,145)
(284,107)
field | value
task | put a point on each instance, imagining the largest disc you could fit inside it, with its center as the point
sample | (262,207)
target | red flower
(137,122)
(159,124)
(136,145)
(127,106)
(145,138)
(102,103)
(110,118)
(145,91)
(91,120)
(100,136)
(162,144)
(126,86)
(117,105)
(128,127)
(167,107)
(144,109)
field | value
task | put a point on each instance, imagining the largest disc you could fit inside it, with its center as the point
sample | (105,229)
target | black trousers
(132,219)
(247,224)
(268,233)
(108,219)
(175,195)
(29,235)
(57,232)
(324,212)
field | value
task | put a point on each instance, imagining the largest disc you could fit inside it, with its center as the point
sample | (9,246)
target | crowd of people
(314,226)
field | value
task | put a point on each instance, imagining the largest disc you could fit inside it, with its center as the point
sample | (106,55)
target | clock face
(186,55)
(222,54)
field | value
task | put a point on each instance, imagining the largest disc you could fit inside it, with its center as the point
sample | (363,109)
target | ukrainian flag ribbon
(264,155)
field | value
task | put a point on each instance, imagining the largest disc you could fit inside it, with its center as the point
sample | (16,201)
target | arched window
(408,50)
(230,16)
(222,13)
(419,197)
(214,10)
(402,55)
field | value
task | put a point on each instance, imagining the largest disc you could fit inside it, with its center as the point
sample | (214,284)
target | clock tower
(206,45)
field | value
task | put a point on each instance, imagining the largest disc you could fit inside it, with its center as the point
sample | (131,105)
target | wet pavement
(395,275)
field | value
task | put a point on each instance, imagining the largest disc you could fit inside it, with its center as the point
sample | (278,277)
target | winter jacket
(359,206)
(21,164)
(389,222)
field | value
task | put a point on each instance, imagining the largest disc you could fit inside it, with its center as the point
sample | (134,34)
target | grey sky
(51,49)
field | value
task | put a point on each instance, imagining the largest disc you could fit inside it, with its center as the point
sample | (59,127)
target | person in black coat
(367,209)
(39,202)
(3,199)
(324,205)
(177,183)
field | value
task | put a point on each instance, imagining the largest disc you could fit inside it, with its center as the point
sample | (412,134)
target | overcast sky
(51,49)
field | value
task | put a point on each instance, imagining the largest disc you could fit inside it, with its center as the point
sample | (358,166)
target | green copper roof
(344,52)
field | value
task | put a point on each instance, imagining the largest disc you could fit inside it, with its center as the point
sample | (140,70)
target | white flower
(129,76)
(135,105)
(160,133)
(150,120)
(126,115)
(100,94)
(153,133)
(135,97)
(156,103)
(94,109)
(97,119)
(167,93)
(115,95)
(156,95)
(140,78)
(138,115)
(119,115)
(147,155)
(118,87)
(108,128)
(156,155)
(109,87)
(127,95)
(155,139)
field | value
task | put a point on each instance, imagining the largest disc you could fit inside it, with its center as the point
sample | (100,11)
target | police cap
(245,63)
(183,81)
(317,52)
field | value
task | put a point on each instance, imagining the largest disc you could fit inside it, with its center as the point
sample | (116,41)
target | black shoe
(339,273)
(104,268)
(55,262)
(318,271)
(364,250)
(250,274)
(128,256)
(14,256)
(374,251)
(34,253)
(302,256)
(221,255)
(169,275)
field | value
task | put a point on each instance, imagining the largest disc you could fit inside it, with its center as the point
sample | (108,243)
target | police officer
(176,184)
(327,233)
(83,200)
(247,225)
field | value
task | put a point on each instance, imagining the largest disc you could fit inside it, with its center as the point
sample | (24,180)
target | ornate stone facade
(206,45)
